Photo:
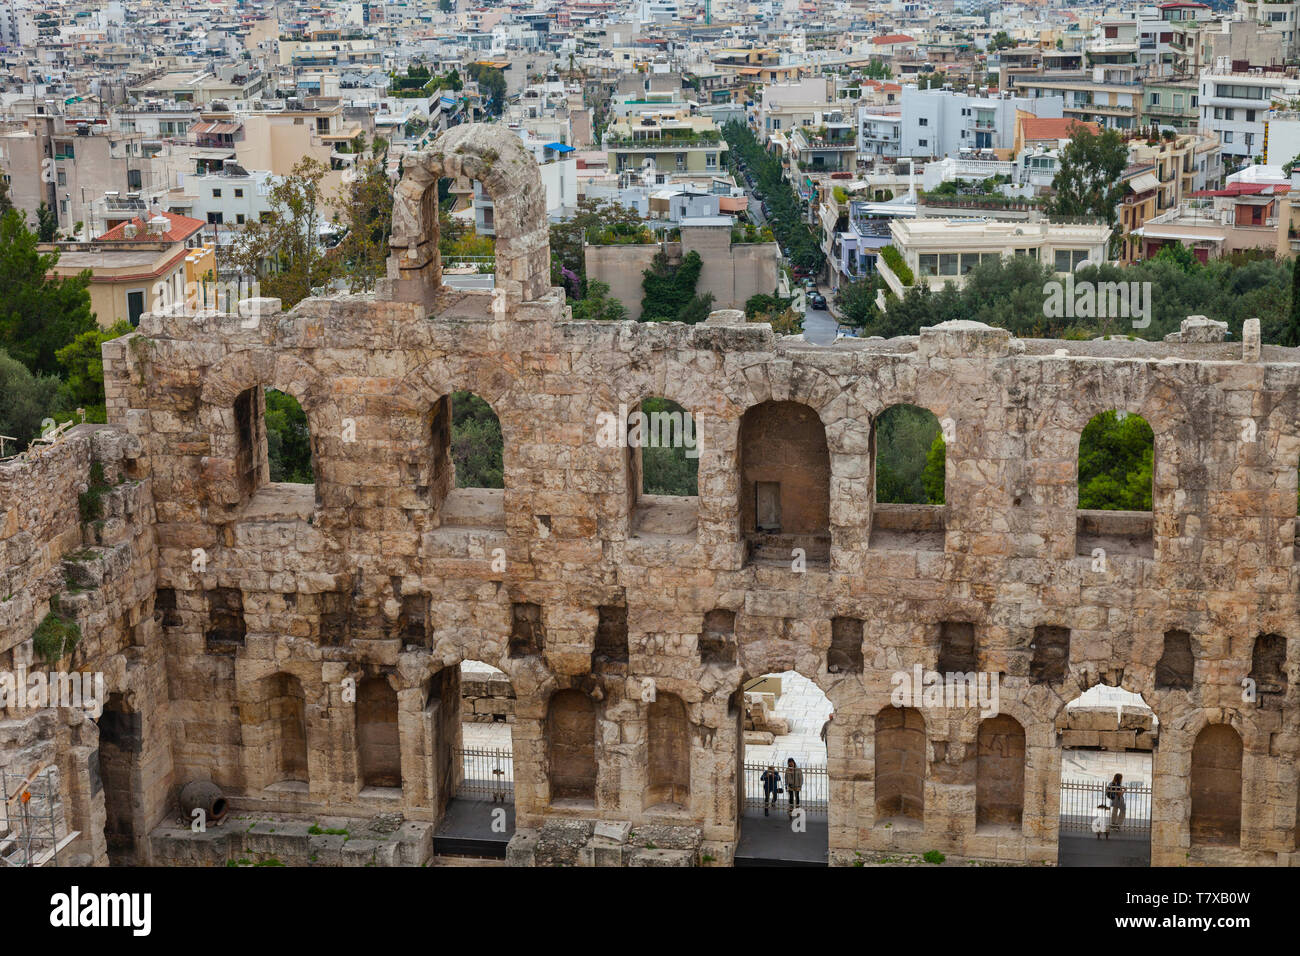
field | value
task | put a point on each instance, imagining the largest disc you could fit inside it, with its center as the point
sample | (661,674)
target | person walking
(826,728)
(1115,794)
(793,784)
(771,787)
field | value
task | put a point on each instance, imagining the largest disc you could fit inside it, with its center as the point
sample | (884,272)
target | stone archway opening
(1116,465)
(284,724)
(467,470)
(784,716)
(470,710)
(276,467)
(120,742)
(785,472)
(910,459)
(1104,732)
(662,469)
(571,749)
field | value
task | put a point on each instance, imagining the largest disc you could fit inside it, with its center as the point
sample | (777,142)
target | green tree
(25,401)
(446,6)
(38,315)
(288,439)
(857,301)
(567,237)
(1115,463)
(1088,178)
(285,250)
(491,83)
(668,471)
(933,477)
(905,436)
(47,224)
(5,202)
(367,205)
(476,443)
(597,304)
(670,290)
(82,361)
(1289,334)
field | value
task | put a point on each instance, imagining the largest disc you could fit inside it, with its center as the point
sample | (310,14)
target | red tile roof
(893,38)
(1036,128)
(182,227)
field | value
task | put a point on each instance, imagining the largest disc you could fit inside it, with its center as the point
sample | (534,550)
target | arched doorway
(472,709)
(784,715)
(1103,732)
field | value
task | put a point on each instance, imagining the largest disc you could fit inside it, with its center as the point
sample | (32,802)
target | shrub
(55,637)
(894,259)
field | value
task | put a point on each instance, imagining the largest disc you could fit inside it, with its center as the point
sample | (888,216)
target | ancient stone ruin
(298,646)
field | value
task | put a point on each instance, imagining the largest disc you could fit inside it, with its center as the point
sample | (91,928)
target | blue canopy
(559,147)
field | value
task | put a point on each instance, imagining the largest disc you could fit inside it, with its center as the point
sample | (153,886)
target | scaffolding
(29,818)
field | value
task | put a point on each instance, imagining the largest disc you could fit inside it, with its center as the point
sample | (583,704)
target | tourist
(771,787)
(1101,821)
(793,784)
(826,728)
(1115,794)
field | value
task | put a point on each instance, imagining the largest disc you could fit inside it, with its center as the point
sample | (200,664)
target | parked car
(817,301)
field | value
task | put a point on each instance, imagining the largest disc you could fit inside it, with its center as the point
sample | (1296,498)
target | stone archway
(495,157)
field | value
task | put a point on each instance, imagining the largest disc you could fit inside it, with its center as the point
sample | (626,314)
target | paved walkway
(806,708)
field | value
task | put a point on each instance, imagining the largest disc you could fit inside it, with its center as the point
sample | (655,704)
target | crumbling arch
(495,157)
(662,469)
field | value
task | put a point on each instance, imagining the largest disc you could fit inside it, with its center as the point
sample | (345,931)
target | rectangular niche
(957,647)
(718,639)
(845,655)
(1051,657)
(226,629)
(611,633)
(527,634)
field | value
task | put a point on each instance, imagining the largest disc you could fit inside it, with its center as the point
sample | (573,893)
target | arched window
(785,470)
(1116,463)
(467,471)
(275,452)
(1216,786)
(910,459)
(662,468)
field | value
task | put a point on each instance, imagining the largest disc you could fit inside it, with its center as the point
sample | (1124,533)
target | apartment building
(944,122)
(1235,105)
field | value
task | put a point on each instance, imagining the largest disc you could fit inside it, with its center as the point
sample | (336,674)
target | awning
(1143,182)
(559,147)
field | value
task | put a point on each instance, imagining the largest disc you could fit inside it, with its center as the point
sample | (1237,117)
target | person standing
(771,787)
(793,784)
(1115,794)
(826,729)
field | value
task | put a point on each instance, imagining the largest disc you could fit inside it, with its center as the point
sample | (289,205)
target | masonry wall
(1223,536)
(98,572)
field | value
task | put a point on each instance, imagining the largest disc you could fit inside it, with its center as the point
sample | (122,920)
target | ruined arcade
(299,646)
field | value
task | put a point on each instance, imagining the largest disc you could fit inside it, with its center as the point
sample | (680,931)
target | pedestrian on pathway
(1115,794)
(826,728)
(771,787)
(793,784)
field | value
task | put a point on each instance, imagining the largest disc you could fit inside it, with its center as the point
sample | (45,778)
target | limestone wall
(1007,561)
(77,539)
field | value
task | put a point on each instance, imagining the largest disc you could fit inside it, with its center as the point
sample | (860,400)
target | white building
(1236,106)
(944,122)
